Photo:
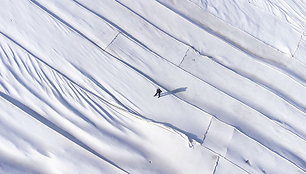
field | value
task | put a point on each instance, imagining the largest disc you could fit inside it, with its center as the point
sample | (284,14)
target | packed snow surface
(77,79)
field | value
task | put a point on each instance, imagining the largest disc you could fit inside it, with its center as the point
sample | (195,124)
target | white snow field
(77,79)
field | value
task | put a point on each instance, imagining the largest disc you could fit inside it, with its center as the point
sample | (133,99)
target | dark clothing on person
(158,91)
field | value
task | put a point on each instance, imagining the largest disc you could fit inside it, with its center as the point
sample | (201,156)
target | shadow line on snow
(54,127)
(104,19)
(92,79)
(178,90)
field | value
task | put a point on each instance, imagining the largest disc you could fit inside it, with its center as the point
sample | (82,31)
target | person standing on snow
(158,91)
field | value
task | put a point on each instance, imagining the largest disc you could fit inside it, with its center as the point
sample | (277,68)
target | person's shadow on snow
(173,91)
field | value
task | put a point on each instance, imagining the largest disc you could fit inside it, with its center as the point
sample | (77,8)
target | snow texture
(77,80)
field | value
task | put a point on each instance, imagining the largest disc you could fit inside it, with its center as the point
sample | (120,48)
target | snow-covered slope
(77,80)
